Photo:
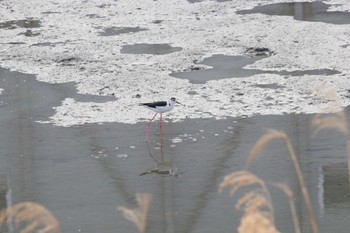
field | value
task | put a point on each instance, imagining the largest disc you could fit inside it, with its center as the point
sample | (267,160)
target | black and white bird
(159,107)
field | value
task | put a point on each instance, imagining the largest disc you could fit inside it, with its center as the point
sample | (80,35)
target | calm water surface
(83,173)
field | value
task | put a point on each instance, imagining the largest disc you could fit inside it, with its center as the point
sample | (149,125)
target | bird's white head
(172,101)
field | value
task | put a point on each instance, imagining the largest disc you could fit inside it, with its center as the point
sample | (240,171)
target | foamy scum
(77,52)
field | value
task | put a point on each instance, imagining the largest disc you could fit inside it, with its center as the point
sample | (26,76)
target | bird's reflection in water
(163,167)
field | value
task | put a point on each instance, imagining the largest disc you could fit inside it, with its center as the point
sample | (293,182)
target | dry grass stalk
(246,198)
(256,204)
(261,144)
(240,179)
(293,210)
(259,202)
(27,217)
(335,121)
(138,216)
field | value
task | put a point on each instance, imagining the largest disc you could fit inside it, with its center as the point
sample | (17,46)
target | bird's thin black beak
(179,103)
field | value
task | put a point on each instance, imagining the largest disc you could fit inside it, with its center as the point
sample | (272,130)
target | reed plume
(261,144)
(257,206)
(27,217)
(138,216)
(335,121)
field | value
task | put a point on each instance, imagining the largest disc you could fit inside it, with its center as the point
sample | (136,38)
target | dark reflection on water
(316,11)
(3,190)
(334,180)
(83,173)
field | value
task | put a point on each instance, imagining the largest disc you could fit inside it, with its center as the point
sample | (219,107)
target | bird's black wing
(155,104)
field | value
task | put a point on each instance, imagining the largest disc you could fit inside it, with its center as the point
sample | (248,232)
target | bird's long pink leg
(161,125)
(148,124)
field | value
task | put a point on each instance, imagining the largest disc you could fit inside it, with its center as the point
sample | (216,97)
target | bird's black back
(155,104)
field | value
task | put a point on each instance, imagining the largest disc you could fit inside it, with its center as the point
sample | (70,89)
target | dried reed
(261,144)
(330,93)
(26,217)
(257,205)
(288,192)
(138,216)
(255,222)
(335,121)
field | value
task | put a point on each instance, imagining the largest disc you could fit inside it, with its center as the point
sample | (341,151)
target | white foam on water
(176,140)
(122,156)
(97,66)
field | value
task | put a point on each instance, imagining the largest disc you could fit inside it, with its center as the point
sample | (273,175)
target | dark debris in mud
(94,16)
(68,61)
(16,43)
(270,86)
(30,33)
(259,51)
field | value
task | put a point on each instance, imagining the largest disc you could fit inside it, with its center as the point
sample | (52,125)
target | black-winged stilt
(159,107)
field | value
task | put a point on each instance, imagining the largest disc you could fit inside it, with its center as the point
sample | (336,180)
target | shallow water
(114,31)
(24,23)
(83,173)
(223,66)
(28,24)
(155,49)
